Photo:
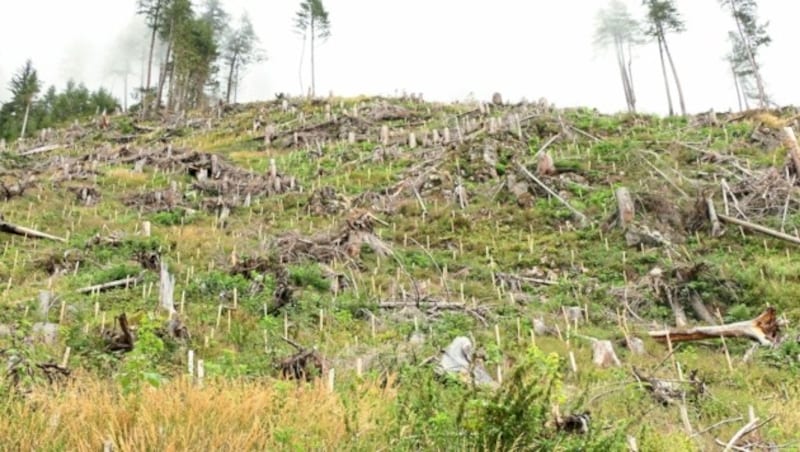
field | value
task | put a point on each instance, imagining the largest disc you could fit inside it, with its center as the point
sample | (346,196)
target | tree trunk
(25,119)
(664,74)
(674,75)
(736,84)
(630,78)
(762,95)
(163,76)
(623,73)
(125,93)
(230,79)
(313,75)
(149,69)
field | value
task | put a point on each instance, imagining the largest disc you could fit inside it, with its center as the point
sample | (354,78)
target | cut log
(625,209)
(716,226)
(603,354)
(764,329)
(27,232)
(794,149)
(545,165)
(758,228)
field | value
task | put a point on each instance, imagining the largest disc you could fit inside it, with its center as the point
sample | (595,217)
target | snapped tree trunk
(674,75)
(664,74)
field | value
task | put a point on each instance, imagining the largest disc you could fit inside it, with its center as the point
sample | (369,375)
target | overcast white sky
(445,49)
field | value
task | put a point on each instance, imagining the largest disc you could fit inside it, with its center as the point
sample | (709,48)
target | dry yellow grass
(222,415)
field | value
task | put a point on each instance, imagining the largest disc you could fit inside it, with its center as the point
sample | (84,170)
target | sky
(445,49)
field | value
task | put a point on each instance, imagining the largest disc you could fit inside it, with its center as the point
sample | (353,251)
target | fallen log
(758,228)
(27,232)
(109,285)
(40,150)
(764,329)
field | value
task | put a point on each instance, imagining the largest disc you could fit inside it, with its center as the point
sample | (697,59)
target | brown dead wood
(122,340)
(764,329)
(305,364)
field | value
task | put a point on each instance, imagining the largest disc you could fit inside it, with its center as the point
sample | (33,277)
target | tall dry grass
(223,415)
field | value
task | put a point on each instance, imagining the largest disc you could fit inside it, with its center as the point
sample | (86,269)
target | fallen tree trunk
(40,150)
(763,329)
(27,232)
(110,285)
(758,228)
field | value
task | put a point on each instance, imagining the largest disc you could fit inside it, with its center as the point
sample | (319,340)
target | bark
(674,75)
(763,329)
(625,208)
(664,74)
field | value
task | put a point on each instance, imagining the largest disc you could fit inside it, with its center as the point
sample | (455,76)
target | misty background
(448,50)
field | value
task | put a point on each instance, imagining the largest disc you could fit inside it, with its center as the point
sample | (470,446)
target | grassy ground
(143,399)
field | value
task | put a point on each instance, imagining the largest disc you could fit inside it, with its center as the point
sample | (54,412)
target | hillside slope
(348,241)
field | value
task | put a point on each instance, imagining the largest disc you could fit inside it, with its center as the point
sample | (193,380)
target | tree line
(194,54)
(617,28)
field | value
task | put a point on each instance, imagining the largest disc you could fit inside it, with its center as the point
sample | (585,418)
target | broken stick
(763,329)
(584,221)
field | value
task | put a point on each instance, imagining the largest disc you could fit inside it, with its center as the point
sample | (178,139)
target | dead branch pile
(668,392)
(254,269)
(86,195)
(766,193)
(12,185)
(325,201)
(308,135)
(121,340)
(306,364)
(344,244)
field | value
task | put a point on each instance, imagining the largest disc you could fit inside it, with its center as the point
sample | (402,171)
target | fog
(447,50)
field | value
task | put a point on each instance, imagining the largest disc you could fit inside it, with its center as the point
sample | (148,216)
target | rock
(636,346)
(416,338)
(574,313)
(6,330)
(539,327)
(457,359)
(46,332)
